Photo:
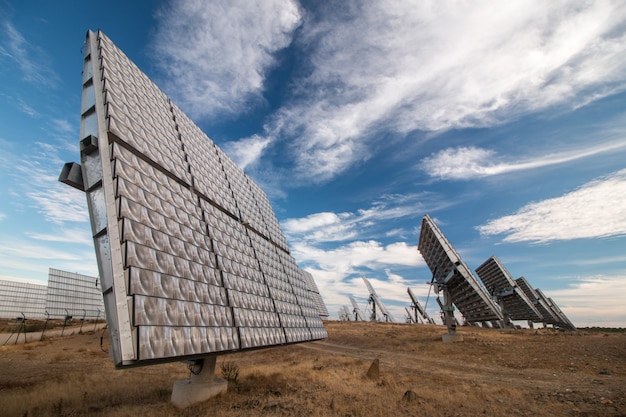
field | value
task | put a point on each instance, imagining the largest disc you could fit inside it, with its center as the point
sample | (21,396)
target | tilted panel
(188,265)
(546,314)
(209,178)
(17,298)
(238,181)
(138,112)
(418,305)
(76,295)
(559,318)
(271,223)
(501,285)
(448,269)
(565,322)
(314,293)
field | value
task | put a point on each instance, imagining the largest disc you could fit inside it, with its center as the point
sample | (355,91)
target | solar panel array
(73,294)
(469,297)
(560,320)
(191,255)
(499,283)
(17,298)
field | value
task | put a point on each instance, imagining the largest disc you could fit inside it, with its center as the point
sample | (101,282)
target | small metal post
(45,325)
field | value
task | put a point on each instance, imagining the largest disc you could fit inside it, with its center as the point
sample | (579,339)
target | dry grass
(523,373)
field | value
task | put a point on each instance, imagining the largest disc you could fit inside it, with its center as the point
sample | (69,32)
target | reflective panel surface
(192,258)
(448,269)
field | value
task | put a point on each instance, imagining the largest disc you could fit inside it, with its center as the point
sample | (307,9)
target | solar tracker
(547,315)
(191,256)
(417,308)
(565,322)
(499,283)
(551,314)
(560,320)
(451,275)
(356,311)
(378,308)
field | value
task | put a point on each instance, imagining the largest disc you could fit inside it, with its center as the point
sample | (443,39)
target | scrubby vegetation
(521,373)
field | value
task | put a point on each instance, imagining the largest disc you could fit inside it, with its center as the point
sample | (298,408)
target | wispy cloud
(334,227)
(355,256)
(32,61)
(248,151)
(595,210)
(216,54)
(437,66)
(388,66)
(337,267)
(65,235)
(464,163)
(37,178)
(27,109)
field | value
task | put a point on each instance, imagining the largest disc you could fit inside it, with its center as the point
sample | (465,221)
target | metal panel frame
(499,283)
(449,271)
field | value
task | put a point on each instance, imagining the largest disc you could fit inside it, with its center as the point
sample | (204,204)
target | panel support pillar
(202,385)
(448,319)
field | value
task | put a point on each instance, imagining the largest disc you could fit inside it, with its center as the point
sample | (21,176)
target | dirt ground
(542,372)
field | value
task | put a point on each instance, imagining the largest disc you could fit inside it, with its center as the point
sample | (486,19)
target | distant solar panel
(545,306)
(191,256)
(547,314)
(73,294)
(378,308)
(358,316)
(499,283)
(417,307)
(560,320)
(449,271)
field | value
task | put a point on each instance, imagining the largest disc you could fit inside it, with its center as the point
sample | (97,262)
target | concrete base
(202,385)
(452,338)
(187,393)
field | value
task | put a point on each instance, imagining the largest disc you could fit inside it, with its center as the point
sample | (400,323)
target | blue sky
(506,121)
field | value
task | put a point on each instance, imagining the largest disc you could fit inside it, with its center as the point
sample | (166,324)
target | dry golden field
(497,373)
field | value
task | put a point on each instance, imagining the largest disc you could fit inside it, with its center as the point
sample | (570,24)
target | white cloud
(60,203)
(26,109)
(216,54)
(246,152)
(407,66)
(62,126)
(65,235)
(354,256)
(333,227)
(470,162)
(595,210)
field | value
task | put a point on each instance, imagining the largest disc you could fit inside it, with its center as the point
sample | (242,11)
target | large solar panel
(499,283)
(191,256)
(449,271)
